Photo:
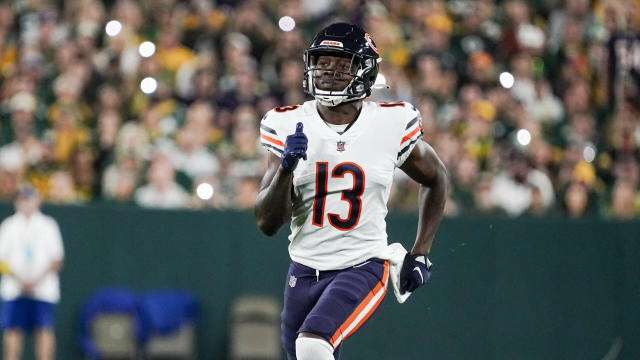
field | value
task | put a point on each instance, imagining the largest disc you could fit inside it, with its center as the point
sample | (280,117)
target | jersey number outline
(282,109)
(392,104)
(351,196)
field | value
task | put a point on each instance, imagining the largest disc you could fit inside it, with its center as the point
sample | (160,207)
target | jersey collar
(352,132)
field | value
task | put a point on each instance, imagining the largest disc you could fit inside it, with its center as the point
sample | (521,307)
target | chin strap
(334,100)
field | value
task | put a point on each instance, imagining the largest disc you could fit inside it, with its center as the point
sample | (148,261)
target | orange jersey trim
(343,329)
(272,140)
(410,134)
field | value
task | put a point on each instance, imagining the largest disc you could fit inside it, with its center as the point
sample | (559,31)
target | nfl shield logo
(292,281)
(340,145)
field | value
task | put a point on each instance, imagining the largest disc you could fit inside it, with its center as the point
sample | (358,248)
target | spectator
(70,94)
(109,122)
(576,200)
(544,106)
(83,173)
(10,181)
(246,190)
(31,255)
(121,178)
(623,199)
(465,176)
(518,29)
(171,53)
(483,196)
(161,190)
(519,187)
(22,107)
(61,188)
(244,156)
(26,150)
(191,155)
(576,10)
(65,135)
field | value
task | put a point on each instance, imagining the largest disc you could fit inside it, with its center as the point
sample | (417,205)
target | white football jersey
(341,190)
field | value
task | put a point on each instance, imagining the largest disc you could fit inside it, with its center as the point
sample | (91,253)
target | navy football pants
(331,304)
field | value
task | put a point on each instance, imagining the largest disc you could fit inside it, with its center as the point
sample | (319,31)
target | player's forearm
(273,204)
(431,209)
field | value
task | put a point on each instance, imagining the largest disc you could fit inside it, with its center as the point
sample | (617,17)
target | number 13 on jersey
(351,196)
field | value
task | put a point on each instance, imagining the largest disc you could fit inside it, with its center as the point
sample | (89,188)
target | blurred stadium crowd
(532,105)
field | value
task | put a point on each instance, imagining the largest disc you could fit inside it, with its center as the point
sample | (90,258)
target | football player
(331,166)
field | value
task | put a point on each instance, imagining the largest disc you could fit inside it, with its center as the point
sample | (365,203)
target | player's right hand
(295,148)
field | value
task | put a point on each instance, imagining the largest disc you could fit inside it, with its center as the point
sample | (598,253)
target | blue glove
(416,271)
(295,147)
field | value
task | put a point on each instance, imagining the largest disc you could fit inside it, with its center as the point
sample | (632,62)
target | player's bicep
(423,165)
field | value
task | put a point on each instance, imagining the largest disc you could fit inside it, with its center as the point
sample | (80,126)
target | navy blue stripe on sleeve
(404,149)
(410,124)
(268,129)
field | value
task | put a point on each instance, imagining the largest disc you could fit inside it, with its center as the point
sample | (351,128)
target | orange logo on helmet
(368,37)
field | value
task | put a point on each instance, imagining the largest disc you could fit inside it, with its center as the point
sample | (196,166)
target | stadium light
(524,137)
(286,23)
(147,49)
(589,153)
(204,191)
(148,85)
(506,80)
(113,28)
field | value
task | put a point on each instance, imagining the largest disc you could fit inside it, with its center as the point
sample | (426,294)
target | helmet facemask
(362,71)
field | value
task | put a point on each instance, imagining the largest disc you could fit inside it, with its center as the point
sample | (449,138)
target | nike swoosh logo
(419,272)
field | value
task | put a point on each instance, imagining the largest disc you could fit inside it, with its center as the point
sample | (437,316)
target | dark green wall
(501,289)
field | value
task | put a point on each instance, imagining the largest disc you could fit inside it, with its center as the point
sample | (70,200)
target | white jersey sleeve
(276,125)
(411,122)
(269,136)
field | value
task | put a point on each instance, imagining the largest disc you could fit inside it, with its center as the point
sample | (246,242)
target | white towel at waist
(395,253)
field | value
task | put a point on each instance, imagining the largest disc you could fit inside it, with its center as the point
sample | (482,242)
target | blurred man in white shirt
(161,191)
(31,255)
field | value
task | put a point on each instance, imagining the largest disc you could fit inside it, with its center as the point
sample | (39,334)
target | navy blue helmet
(349,41)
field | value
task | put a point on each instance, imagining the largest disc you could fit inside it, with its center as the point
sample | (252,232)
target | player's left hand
(295,148)
(416,271)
